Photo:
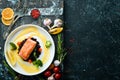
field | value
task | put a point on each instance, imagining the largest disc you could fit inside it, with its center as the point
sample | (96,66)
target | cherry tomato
(18,43)
(47,73)
(40,49)
(57,76)
(56,69)
(30,61)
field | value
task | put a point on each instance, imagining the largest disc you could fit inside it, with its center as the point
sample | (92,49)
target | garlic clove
(56,62)
(51,77)
(58,22)
(47,22)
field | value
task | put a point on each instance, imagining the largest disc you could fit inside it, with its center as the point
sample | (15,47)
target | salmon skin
(27,49)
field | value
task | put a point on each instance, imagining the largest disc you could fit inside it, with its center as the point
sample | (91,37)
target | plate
(47,54)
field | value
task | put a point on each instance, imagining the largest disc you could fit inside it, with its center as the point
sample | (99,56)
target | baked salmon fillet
(27,49)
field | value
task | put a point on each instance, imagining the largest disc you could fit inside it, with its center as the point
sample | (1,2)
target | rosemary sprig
(60,50)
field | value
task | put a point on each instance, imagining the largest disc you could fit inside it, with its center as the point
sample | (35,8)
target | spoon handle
(6,33)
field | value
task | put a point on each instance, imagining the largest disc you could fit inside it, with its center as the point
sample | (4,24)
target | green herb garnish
(48,44)
(13,46)
(38,63)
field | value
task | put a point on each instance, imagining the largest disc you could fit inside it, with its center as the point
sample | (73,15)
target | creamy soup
(31,32)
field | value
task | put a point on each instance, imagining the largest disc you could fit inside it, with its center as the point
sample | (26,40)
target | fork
(17,16)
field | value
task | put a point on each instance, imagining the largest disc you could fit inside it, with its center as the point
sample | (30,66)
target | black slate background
(92,35)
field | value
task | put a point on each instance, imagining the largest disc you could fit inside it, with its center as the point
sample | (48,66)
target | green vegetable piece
(13,46)
(48,44)
(35,55)
(38,63)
